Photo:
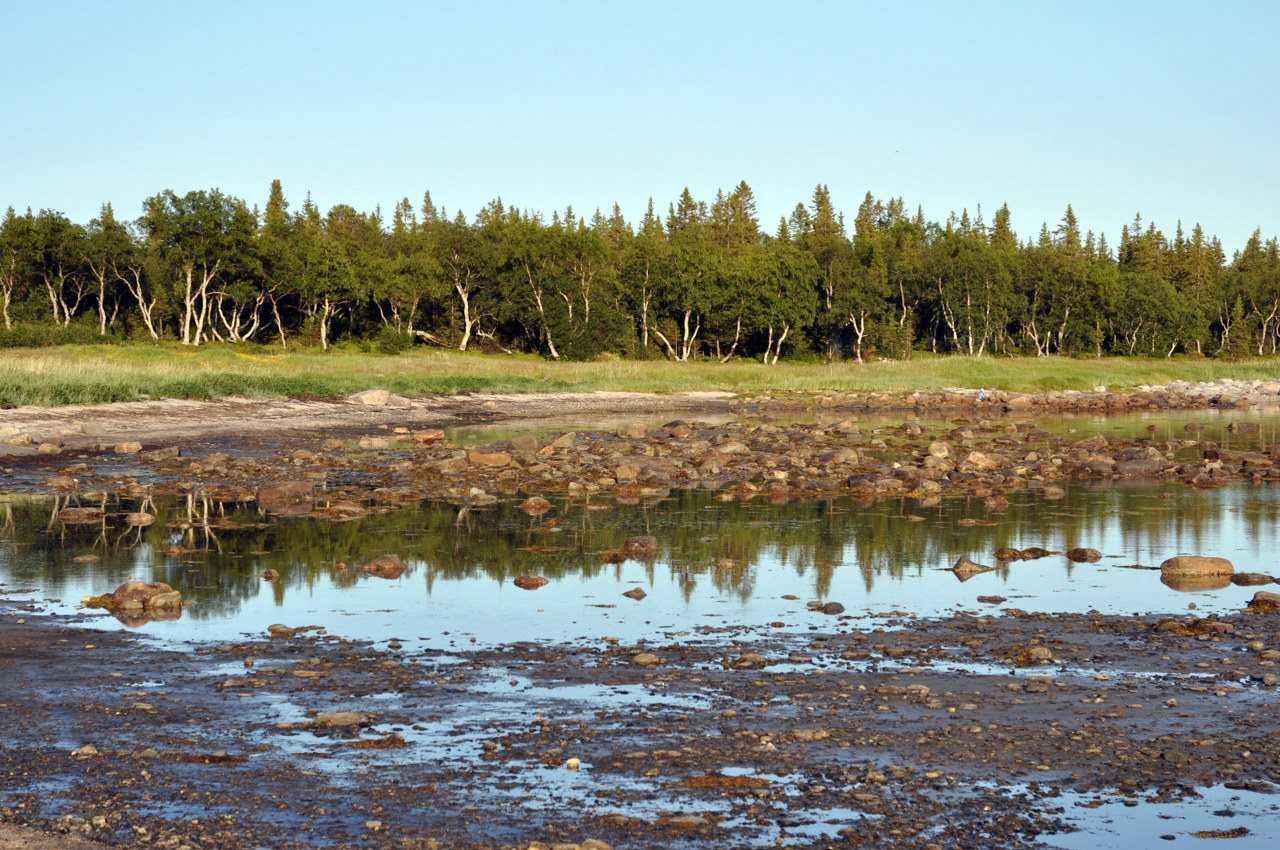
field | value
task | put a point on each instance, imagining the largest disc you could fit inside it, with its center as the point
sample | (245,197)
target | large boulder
(385,566)
(1264,601)
(287,498)
(1191,566)
(141,596)
(371,398)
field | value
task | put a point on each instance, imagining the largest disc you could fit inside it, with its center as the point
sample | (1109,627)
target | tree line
(705,281)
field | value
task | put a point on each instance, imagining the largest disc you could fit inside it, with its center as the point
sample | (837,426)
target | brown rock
(1264,601)
(525,444)
(1196,565)
(131,447)
(489,458)
(1081,555)
(371,398)
(385,566)
(995,504)
(1008,554)
(79,516)
(139,596)
(427,436)
(632,431)
(678,429)
(635,593)
(286,498)
(1251,579)
(643,547)
(140,520)
(535,506)
(966,569)
(530,582)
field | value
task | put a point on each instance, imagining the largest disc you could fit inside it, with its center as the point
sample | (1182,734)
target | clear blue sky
(1161,108)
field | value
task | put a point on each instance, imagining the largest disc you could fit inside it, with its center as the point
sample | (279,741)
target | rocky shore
(987,729)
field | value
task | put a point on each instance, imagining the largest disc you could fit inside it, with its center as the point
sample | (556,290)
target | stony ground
(964,732)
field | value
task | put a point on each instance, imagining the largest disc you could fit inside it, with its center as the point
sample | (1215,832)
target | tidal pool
(719,565)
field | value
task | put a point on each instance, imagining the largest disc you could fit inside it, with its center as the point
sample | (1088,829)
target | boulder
(939,450)
(340,719)
(79,516)
(525,444)
(643,547)
(371,398)
(1250,579)
(141,596)
(1264,601)
(489,458)
(632,431)
(385,566)
(427,436)
(139,519)
(130,447)
(1196,565)
(286,498)
(530,582)
(678,429)
(966,569)
(1008,553)
(636,593)
(1081,555)
(535,506)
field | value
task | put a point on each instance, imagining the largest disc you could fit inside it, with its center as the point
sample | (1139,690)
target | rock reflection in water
(710,558)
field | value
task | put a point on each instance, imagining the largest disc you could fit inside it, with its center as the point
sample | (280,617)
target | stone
(385,566)
(489,458)
(79,516)
(632,431)
(47,448)
(142,596)
(749,661)
(398,402)
(1251,579)
(646,659)
(996,503)
(966,569)
(339,719)
(1082,555)
(832,608)
(564,441)
(525,444)
(530,582)
(980,461)
(373,443)
(636,593)
(939,450)
(161,455)
(427,436)
(678,429)
(535,506)
(1196,565)
(131,447)
(1264,601)
(1008,554)
(139,519)
(371,398)
(643,547)
(286,498)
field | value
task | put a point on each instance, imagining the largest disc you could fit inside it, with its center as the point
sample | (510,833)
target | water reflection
(728,560)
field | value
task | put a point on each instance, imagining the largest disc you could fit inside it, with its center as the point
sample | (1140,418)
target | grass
(103,373)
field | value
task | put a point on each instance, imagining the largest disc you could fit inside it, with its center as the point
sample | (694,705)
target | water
(877,558)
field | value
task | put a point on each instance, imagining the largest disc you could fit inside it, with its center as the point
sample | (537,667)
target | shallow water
(877,558)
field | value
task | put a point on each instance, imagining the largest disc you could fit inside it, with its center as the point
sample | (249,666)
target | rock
(160,455)
(343,512)
(1250,579)
(489,458)
(966,569)
(270,575)
(636,593)
(939,450)
(131,447)
(280,630)
(995,504)
(832,608)
(1008,554)
(991,600)
(1086,556)
(371,398)
(678,429)
(749,661)
(643,547)
(1194,584)
(980,461)
(339,719)
(646,659)
(564,441)
(535,506)
(139,519)
(525,444)
(1264,601)
(286,498)
(1196,565)
(1141,468)
(1033,552)
(47,448)
(373,443)
(530,582)
(79,516)
(141,596)
(385,566)
(398,402)
(427,436)
(632,431)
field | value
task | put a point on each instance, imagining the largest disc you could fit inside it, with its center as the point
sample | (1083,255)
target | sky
(1164,109)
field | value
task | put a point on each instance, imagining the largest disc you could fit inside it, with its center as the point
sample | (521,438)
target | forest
(705,281)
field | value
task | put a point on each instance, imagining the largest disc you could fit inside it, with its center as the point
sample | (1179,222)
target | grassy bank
(92,374)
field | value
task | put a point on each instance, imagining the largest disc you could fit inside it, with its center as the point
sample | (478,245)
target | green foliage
(391,341)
